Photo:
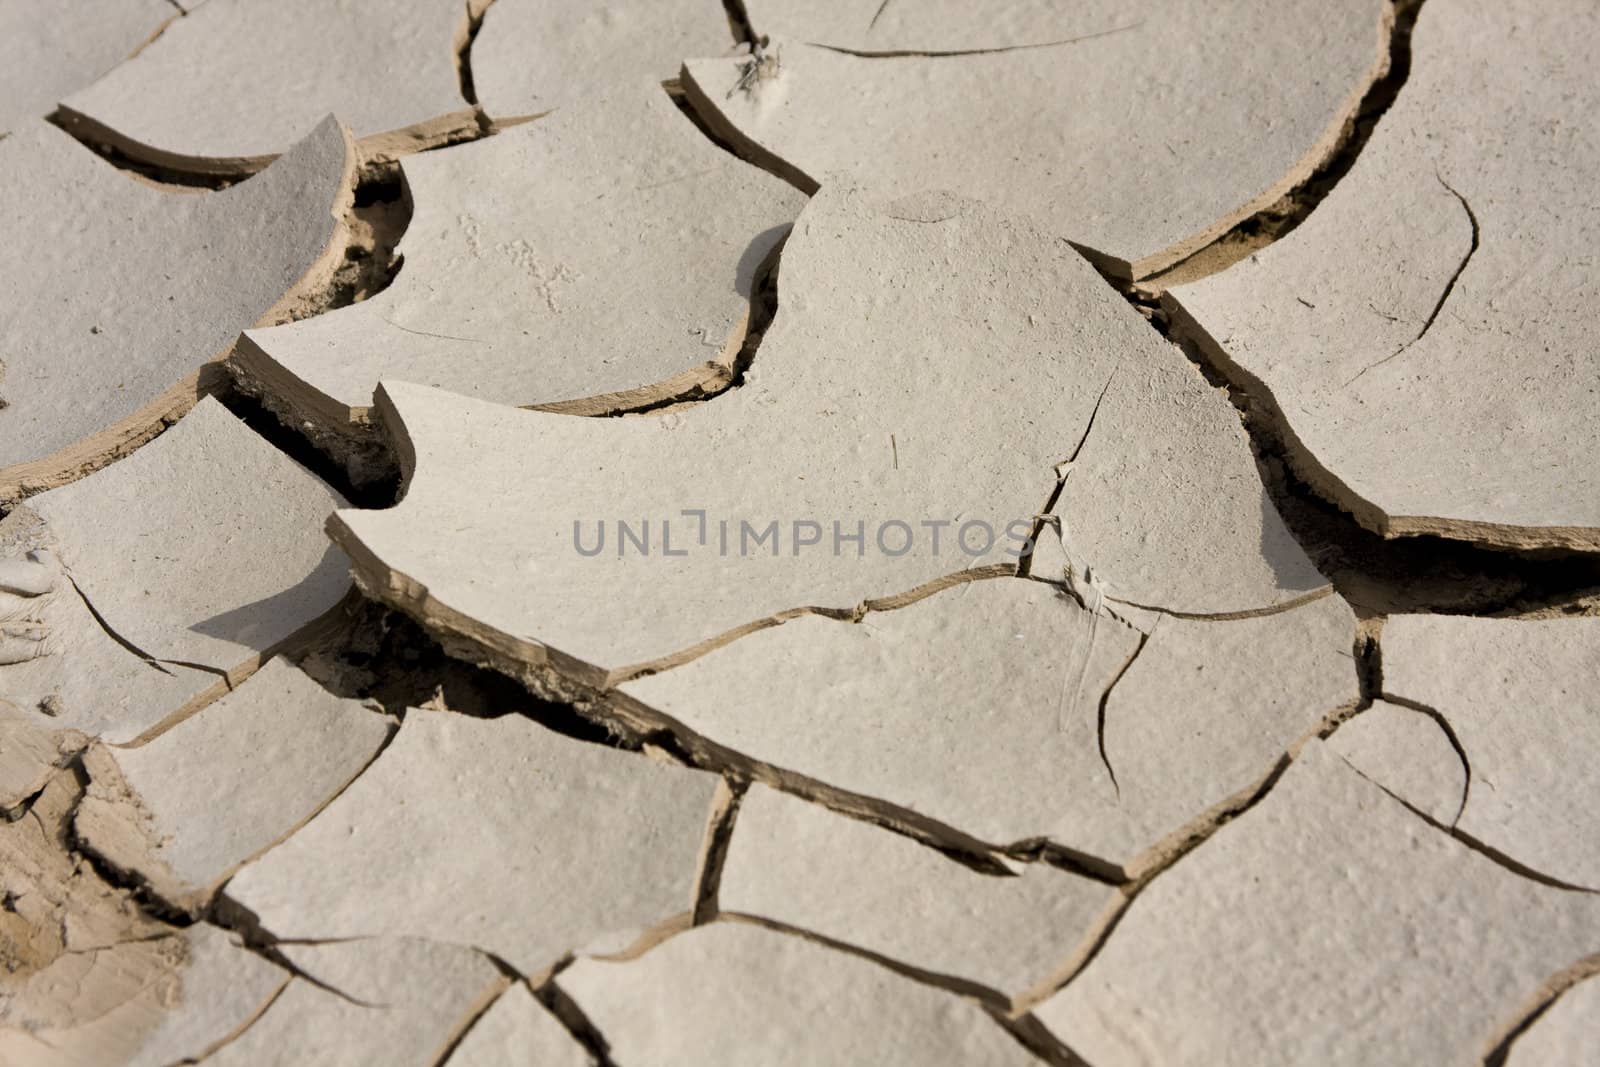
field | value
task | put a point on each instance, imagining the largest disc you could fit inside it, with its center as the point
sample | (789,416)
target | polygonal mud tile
(1140,144)
(801,865)
(49,48)
(533,55)
(396,1001)
(1405,751)
(736,993)
(1565,1035)
(279,747)
(1422,338)
(231,85)
(1326,925)
(145,1003)
(516,256)
(123,295)
(1001,712)
(494,833)
(1518,698)
(518,1031)
(169,576)
(930,366)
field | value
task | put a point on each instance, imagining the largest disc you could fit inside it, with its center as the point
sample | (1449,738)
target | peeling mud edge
(359,440)
(320,283)
(344,438)
(1291,197)
(709,118)
(1381,575)
(553,678)
(218,172)
(1276,220)
(121,438)
(1269,422)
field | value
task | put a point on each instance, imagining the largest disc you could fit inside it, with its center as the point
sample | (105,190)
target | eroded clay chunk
(122,294)
(799,864)
(1140,146)
(1419,337)
(146,1003)
(1325,925)
(515,260)
(534,55)
(87,977)
(394,1001)
(175,573)
(930,366)
(31,752)
(278,747)
(49,48)
(736,993)
(1005,711)
(1519,696)
(232,84)
(518,1031)
(495,833)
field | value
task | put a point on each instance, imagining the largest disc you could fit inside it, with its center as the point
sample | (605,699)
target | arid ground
(862,532)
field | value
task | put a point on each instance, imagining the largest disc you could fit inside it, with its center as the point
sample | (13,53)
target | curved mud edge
(711,118)
(85,456)
(1326,147)
(121,438)
(375,149)
(1330,487)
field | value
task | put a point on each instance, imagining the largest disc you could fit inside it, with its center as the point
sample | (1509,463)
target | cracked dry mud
(862,532)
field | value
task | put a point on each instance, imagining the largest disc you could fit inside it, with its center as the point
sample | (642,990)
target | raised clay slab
(1122,143)
(735,993)
(215,559)
(513,262)
(1052,724)
(531,56)
(931,364)
(396,1001)
(232,84)
(799,864)
(1520,699)
(279,747)
(1328,925)
(121,293)
(49,48)
(495,833)
(1419,337)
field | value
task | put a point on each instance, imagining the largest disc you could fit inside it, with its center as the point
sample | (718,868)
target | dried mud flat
(863,532)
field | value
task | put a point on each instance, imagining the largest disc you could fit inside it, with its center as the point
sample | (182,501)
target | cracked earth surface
(866,532)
